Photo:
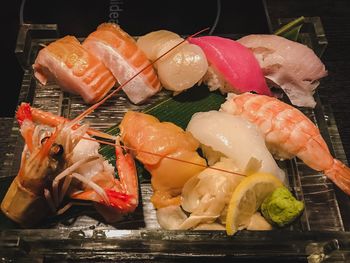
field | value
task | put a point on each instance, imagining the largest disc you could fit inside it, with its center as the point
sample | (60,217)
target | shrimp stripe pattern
(288,133)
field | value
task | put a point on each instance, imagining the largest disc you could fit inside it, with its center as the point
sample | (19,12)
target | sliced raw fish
(119,52)
(233,67)
(291,65)
(74,68)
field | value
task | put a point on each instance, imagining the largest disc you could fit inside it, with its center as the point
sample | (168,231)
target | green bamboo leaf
(178,110)
(292,29)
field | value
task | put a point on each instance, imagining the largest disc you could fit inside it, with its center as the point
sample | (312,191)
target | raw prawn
(57,163)
(232,66)
(145,134)
(74,68)
(291,65)
(288,133)
(119,52)
(180,69)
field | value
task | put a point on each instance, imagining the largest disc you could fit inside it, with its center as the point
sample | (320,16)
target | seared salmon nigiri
(119,52)
(74,68)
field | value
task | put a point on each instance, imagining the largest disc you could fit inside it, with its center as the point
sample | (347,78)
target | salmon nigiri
(119,52)
(232,67)
(74,68)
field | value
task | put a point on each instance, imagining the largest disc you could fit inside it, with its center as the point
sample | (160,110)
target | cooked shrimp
(288,133)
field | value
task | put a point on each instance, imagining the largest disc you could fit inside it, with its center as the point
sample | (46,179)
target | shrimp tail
(339,173)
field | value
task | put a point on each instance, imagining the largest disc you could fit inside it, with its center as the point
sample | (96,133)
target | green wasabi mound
(281,208)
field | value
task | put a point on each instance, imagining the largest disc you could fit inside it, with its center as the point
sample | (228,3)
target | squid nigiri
(119,52)
(291,65)
(145,134)
(232,66)
(74,68)
(182,68)
(223,134)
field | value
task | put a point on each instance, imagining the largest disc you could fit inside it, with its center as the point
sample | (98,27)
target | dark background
(78,17)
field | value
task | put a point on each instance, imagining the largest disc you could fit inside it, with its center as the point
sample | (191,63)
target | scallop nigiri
(232,67)
(119,52)
(182,68)
(153,141)
(74,68)
(291,65)
(234,138)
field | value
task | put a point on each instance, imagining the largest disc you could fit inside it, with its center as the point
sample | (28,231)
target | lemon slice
(247,198)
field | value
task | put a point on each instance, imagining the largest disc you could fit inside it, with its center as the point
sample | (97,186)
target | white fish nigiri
(234,138)
(182,68)
(291,65)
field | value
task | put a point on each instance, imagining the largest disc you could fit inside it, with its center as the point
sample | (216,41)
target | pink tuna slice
(236,63)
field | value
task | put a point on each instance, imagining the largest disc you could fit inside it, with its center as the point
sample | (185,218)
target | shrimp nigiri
(291,65)
(119,52)
(232,66)
(181,68)
(288,133)
(151,142)
(74,68)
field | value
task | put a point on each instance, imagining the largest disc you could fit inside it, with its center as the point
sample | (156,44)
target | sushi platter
(87,233)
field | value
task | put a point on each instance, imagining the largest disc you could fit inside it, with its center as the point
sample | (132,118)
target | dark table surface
(138,17)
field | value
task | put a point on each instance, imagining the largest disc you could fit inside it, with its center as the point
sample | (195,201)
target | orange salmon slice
(119,52)
(75,69)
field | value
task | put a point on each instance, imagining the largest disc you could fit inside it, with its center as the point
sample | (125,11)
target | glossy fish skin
(74,68)
(234,63)
(119,52)
(291,65)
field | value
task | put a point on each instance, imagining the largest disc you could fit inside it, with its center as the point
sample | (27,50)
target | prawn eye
(56,150)
(43,140)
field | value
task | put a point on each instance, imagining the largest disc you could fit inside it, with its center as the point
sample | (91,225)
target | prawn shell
(22,206)
(235,63)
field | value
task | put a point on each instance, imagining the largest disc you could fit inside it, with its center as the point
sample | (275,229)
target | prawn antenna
(163,156)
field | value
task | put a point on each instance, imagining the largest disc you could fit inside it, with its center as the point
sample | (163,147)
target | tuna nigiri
(182,68)
(291,65)
(74,68)
(119,52)
(232,67)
